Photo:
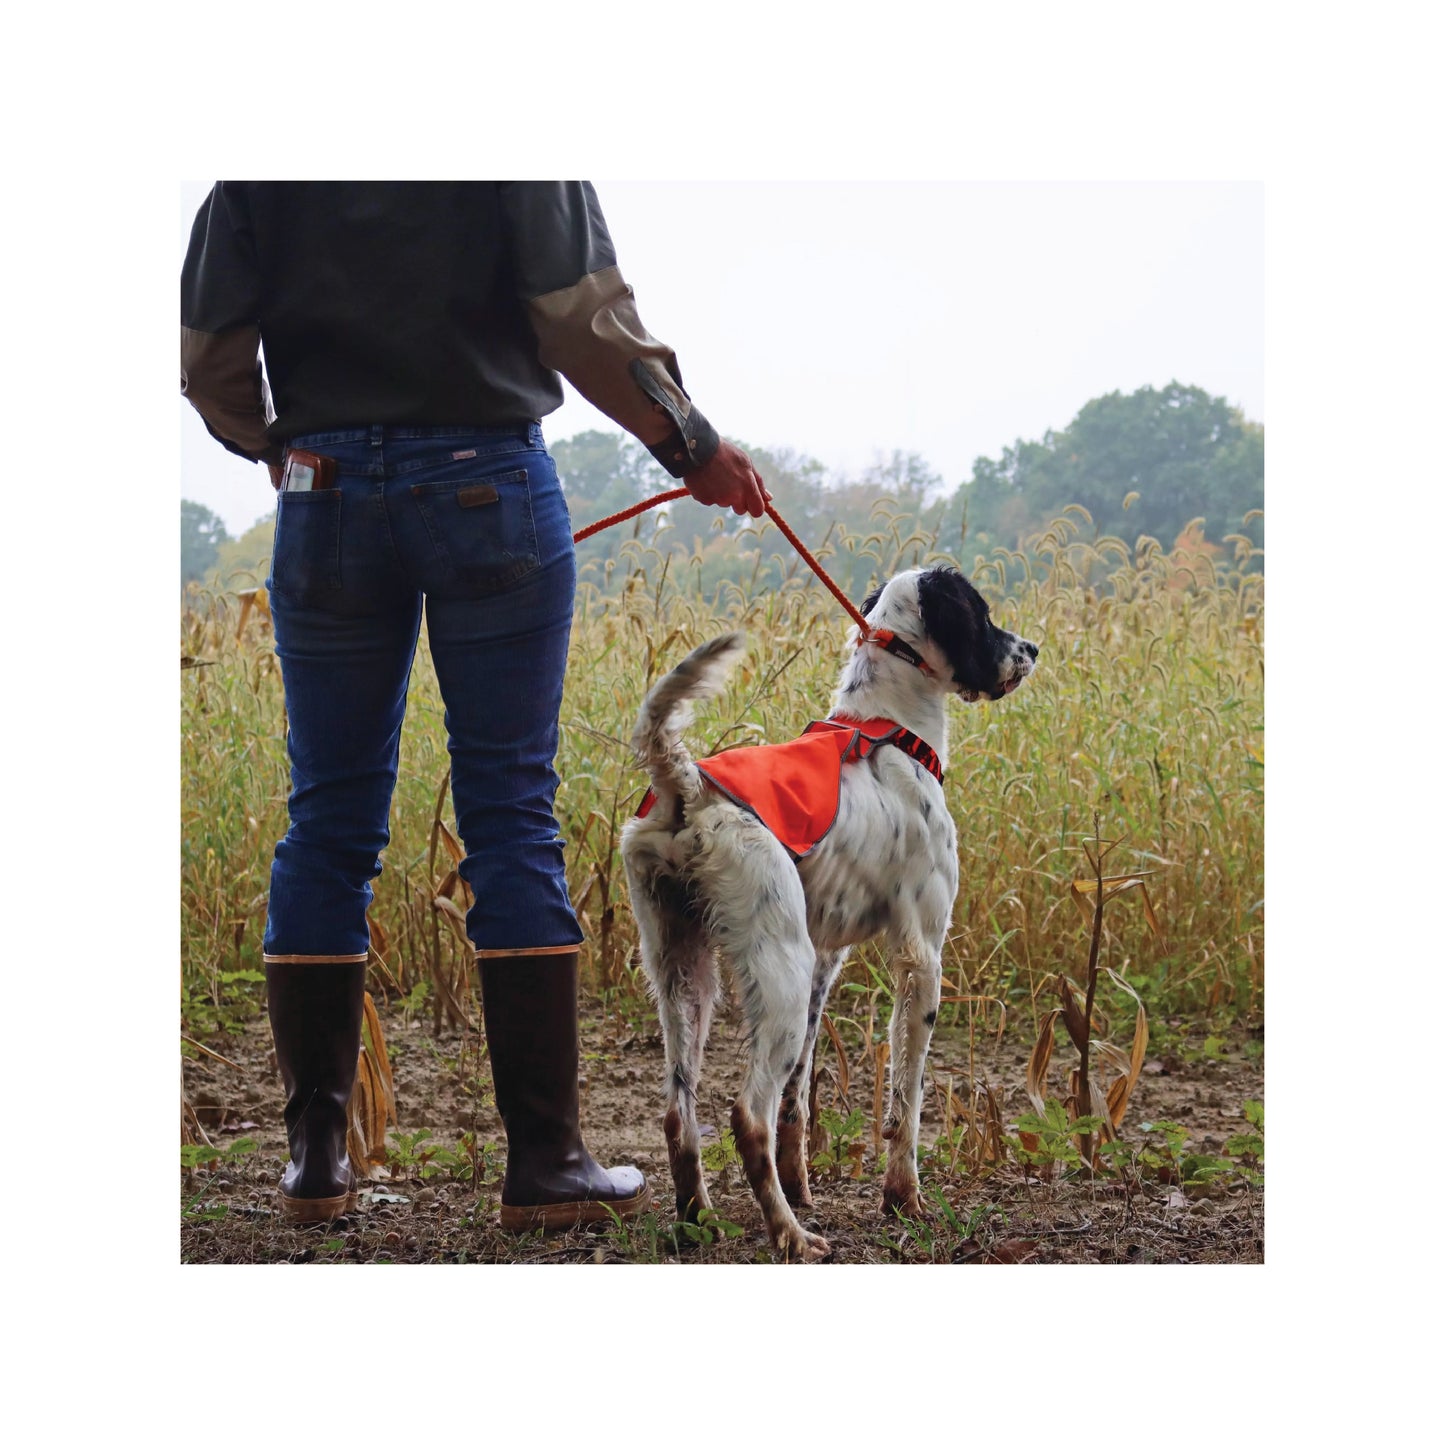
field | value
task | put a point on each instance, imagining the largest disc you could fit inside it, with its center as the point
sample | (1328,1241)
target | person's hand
(729,480)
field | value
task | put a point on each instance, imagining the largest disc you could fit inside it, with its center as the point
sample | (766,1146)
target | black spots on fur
(872,918)
(898,888)
(927,806)
(931,1017)
(871,601)
(920,888)
(676,898)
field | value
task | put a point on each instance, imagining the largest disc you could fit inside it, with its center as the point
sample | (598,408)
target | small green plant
(1167,1159)
(980,1214)
(845,1147)
(709,1229)
(641,1240)
(470,1162)
(1249,1148)
(720,1153)
(1212,1046)
(1161,1155)
(410,1153)
(414,1002)
(1046,1141)
(645,1239)
(424,1157)
(200,1156)
(223,1003)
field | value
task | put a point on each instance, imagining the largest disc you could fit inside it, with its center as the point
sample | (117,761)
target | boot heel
(552,1218)
(317,1211)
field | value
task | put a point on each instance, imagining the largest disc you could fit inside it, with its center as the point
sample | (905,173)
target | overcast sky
(949,319)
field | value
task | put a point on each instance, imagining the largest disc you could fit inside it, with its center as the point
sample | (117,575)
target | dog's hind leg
(915,1010)
(752,1121)
(757,920)
(683,975)
(793,1113)
(685,1003)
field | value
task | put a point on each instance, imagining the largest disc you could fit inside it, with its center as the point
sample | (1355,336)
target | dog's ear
(871,600)
(955,617)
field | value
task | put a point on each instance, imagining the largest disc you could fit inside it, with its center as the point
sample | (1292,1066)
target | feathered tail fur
(657,738)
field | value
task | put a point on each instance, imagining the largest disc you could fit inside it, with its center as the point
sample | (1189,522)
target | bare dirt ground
(427,1211)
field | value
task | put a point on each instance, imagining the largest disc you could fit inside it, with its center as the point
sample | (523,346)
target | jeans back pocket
(482,532)
(306,553)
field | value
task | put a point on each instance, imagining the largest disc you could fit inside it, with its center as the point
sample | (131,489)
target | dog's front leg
(915,1011)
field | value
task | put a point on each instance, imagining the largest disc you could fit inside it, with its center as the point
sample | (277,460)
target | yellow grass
(1147,704)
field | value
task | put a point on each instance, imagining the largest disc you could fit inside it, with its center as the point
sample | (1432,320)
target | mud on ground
(423,1212)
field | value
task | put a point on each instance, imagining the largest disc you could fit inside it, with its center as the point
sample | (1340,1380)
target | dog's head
(939,612)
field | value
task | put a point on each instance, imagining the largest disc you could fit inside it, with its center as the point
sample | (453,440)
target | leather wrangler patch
(477,496)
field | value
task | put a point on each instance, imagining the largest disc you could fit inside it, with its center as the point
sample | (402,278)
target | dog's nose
(1032,649)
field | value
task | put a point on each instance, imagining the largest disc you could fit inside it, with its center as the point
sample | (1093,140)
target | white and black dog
(709,881)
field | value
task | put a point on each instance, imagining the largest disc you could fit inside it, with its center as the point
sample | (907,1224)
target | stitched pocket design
(481,529)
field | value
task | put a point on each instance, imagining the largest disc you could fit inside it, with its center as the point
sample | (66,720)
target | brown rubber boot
(315,1009)
(529,1002)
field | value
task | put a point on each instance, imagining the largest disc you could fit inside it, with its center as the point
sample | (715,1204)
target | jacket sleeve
(587,323)
(220,329)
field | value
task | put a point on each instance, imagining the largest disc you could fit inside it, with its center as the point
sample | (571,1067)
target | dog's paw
(798,1246)
(903,1199)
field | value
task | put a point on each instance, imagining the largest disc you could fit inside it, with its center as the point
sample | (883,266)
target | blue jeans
(472,524)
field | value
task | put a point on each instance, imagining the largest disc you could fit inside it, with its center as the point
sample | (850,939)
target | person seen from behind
(413,333)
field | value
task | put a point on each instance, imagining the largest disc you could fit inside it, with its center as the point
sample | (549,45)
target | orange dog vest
(792,788)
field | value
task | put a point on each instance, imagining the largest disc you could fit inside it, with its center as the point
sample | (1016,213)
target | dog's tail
(657,738)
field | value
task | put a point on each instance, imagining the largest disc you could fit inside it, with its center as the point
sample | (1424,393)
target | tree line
(1152,461)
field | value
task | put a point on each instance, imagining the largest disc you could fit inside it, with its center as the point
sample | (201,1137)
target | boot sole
(317,1211)
(551,1218)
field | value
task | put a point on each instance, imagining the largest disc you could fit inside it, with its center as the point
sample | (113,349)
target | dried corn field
(1145,716)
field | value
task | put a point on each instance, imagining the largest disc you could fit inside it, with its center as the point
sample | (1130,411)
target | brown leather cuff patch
(476,496)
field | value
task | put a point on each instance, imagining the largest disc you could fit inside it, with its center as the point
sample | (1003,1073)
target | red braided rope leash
(865,632)
(635,510)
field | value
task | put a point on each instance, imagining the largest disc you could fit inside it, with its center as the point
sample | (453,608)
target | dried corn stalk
(253,599)
(832,1032)
(373,1098)
(1084,890)
(975,1124)
(1123,1069)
